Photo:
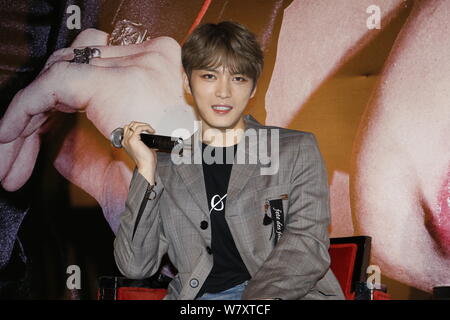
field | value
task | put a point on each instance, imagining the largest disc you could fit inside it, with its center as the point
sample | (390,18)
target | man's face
(220,97)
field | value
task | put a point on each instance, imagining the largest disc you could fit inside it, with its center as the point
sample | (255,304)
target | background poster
(368,77)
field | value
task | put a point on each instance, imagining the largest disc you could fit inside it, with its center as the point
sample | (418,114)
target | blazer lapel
(191,172)
(241,172)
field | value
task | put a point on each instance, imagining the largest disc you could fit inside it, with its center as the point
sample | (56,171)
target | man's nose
(223,89)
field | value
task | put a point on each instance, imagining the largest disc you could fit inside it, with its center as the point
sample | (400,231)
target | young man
(179,207)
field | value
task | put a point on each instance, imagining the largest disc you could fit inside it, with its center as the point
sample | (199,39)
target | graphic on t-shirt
(219,202)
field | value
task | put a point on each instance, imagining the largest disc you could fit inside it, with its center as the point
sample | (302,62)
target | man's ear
(253,92)
(186,83)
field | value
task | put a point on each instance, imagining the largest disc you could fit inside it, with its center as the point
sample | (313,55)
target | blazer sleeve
(140,242)
(300,258)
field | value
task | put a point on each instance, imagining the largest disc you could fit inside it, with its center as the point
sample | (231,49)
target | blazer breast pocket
(269,201)
(273,193)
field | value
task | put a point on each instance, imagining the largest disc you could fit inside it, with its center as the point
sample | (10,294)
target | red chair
(350,257)
(121,288)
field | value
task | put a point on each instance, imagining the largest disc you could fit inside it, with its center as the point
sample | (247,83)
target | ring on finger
(84,55)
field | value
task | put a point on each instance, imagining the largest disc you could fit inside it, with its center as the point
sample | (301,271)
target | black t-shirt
(228,269)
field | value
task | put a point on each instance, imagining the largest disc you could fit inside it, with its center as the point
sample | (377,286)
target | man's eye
(240,79)
(208,76)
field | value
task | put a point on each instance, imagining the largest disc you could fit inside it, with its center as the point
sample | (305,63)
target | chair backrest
(349,261)
(121,288)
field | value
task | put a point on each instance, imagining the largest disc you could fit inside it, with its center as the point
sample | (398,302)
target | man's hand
(144,157)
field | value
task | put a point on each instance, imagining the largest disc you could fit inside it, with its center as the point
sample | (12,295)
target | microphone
(153,141)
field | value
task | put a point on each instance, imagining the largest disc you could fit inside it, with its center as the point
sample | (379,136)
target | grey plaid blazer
(297,267)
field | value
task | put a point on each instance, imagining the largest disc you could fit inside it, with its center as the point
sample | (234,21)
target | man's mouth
(221,108)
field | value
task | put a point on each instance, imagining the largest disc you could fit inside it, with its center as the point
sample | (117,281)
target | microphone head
(116,137)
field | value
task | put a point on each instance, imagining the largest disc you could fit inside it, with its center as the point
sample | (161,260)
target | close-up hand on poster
(224,150)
